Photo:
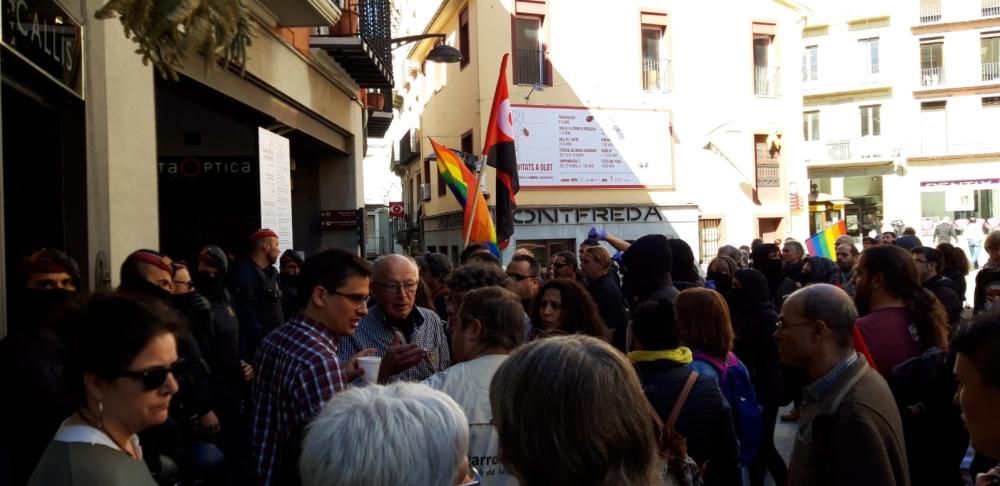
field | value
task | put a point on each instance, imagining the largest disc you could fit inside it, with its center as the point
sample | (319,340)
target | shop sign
(195,168)
(45,35)
(587,215)
(963,184)
(339,219)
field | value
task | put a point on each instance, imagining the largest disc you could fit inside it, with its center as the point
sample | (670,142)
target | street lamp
(440,53)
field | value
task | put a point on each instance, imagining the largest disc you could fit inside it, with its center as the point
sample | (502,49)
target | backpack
(678,467)
(734,381)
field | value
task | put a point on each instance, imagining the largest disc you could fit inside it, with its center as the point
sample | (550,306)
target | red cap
(155,259)
(263,233)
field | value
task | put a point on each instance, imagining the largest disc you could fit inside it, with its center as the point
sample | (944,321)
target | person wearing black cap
(35,398)
(434,268)
(256,288)
(648,262)
(290,264)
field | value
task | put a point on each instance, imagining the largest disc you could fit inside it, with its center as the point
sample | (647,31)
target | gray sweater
(81,464)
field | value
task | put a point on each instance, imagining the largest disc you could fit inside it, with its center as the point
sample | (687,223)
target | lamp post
(440,53)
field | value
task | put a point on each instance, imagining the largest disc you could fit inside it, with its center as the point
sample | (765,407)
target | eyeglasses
(394,287)
(473,478)
(519,277)
(782,325)
(154,378)
(357,300)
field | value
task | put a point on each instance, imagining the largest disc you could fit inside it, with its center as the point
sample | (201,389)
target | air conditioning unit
(425,192)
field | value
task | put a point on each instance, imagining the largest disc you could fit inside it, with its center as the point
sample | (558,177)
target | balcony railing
(930,11)
(654,74)
(768,174)
(360,42)
(529,66)
(991,8)
(991,71)
(845,150)
(765,81)
(932,76)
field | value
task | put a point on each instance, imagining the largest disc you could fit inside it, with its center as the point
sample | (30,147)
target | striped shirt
(297,372)
(374,331)
(817,391)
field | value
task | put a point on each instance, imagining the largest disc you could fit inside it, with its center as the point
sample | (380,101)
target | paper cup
(371,365)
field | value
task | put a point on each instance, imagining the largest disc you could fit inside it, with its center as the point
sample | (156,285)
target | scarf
(680,355)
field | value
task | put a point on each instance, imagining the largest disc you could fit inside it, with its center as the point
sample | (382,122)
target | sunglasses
(519,277)
(154,378)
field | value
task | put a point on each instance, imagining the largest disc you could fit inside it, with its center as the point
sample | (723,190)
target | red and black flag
(499,152)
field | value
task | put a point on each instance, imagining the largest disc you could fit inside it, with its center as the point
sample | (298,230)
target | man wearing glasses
(410,339)
(297,366)
(850,431)
(524,273)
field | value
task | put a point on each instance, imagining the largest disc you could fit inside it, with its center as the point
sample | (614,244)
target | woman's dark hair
(821,270)
(475,275)
(579,312)
(684,267)
(570,410)
(329,269)
(902,280)
(955,261)
(500,312)
(109,331)
(654,324)
(471,250)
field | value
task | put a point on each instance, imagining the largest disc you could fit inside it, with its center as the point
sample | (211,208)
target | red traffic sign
(396,209)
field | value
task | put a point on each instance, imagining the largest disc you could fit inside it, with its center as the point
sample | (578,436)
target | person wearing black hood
(290,264)
(647,264)
(684,269)
(767,259)
(36,399)
(150,273)
(754,322)
(817,269)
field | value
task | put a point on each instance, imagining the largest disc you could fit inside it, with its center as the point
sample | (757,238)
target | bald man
(410,339)
(850,431)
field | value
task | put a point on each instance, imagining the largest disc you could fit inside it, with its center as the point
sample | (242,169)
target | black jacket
(611,306)
(257,297)
(946,291)
(984,278)
(961,287)
(754,322)
(706,420)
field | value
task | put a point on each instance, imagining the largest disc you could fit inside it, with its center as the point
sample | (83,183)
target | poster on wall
(576,147)
(275,185)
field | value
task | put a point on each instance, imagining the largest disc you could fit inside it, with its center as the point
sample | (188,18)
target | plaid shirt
(297,372)
(817,391)
(428,332)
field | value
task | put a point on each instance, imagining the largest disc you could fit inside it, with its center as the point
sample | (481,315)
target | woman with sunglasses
(122,359)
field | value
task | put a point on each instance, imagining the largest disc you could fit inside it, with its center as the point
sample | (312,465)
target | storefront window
(544,250)
(960,204)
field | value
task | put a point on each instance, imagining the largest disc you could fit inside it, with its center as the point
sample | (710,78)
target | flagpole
(475,200)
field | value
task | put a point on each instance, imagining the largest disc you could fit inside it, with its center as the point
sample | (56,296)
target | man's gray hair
(378,267)
(795,245)
(833,306)
(400,434)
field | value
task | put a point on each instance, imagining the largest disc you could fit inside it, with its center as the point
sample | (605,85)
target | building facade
(899,103)
(636,119)
(102,156)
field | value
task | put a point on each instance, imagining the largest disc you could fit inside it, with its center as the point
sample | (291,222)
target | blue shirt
(375,332)
(818,390)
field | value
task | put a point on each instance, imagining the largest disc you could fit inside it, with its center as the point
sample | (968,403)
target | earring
(100,414)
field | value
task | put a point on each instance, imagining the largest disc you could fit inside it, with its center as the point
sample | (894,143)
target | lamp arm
(401,41)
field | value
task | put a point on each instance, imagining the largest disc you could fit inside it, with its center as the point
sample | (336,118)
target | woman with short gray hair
(400,434)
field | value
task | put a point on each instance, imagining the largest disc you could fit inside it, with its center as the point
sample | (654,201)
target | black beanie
(649,257)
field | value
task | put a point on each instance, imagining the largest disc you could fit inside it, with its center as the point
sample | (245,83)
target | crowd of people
(622,363)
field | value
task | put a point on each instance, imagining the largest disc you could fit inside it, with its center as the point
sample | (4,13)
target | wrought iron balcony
(768,174)
(933,76)
(529,66)
(406,149)
(860,149)
(655,74)
(930,11)
(765,81)
(360,42)
(379,103)
(991,71)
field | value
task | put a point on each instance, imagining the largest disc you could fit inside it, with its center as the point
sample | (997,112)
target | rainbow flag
(823,243)
(463,185)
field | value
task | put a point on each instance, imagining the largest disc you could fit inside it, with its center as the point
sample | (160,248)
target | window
(932,62)
(989,47)
(544,250)
(765,71)
(427,171)
(871,123)
(710,234)
(529,56)
(654,64)
(930,11)
(767,162)
(463,37)
(810,126)
(810,63)
(869,55)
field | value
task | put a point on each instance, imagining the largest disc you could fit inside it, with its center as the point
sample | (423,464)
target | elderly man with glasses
(410,339)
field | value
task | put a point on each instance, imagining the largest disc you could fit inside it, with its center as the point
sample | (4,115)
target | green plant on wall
(168,30)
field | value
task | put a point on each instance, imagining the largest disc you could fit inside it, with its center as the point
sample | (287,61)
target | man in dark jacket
(647,264)
(289,265)
(929,262)
(705,420)
(257,293)
(595,265)
(792,259)
(35,398)
(850,431)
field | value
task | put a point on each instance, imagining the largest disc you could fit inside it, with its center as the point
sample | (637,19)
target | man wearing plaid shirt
(297,366)
(410,339)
